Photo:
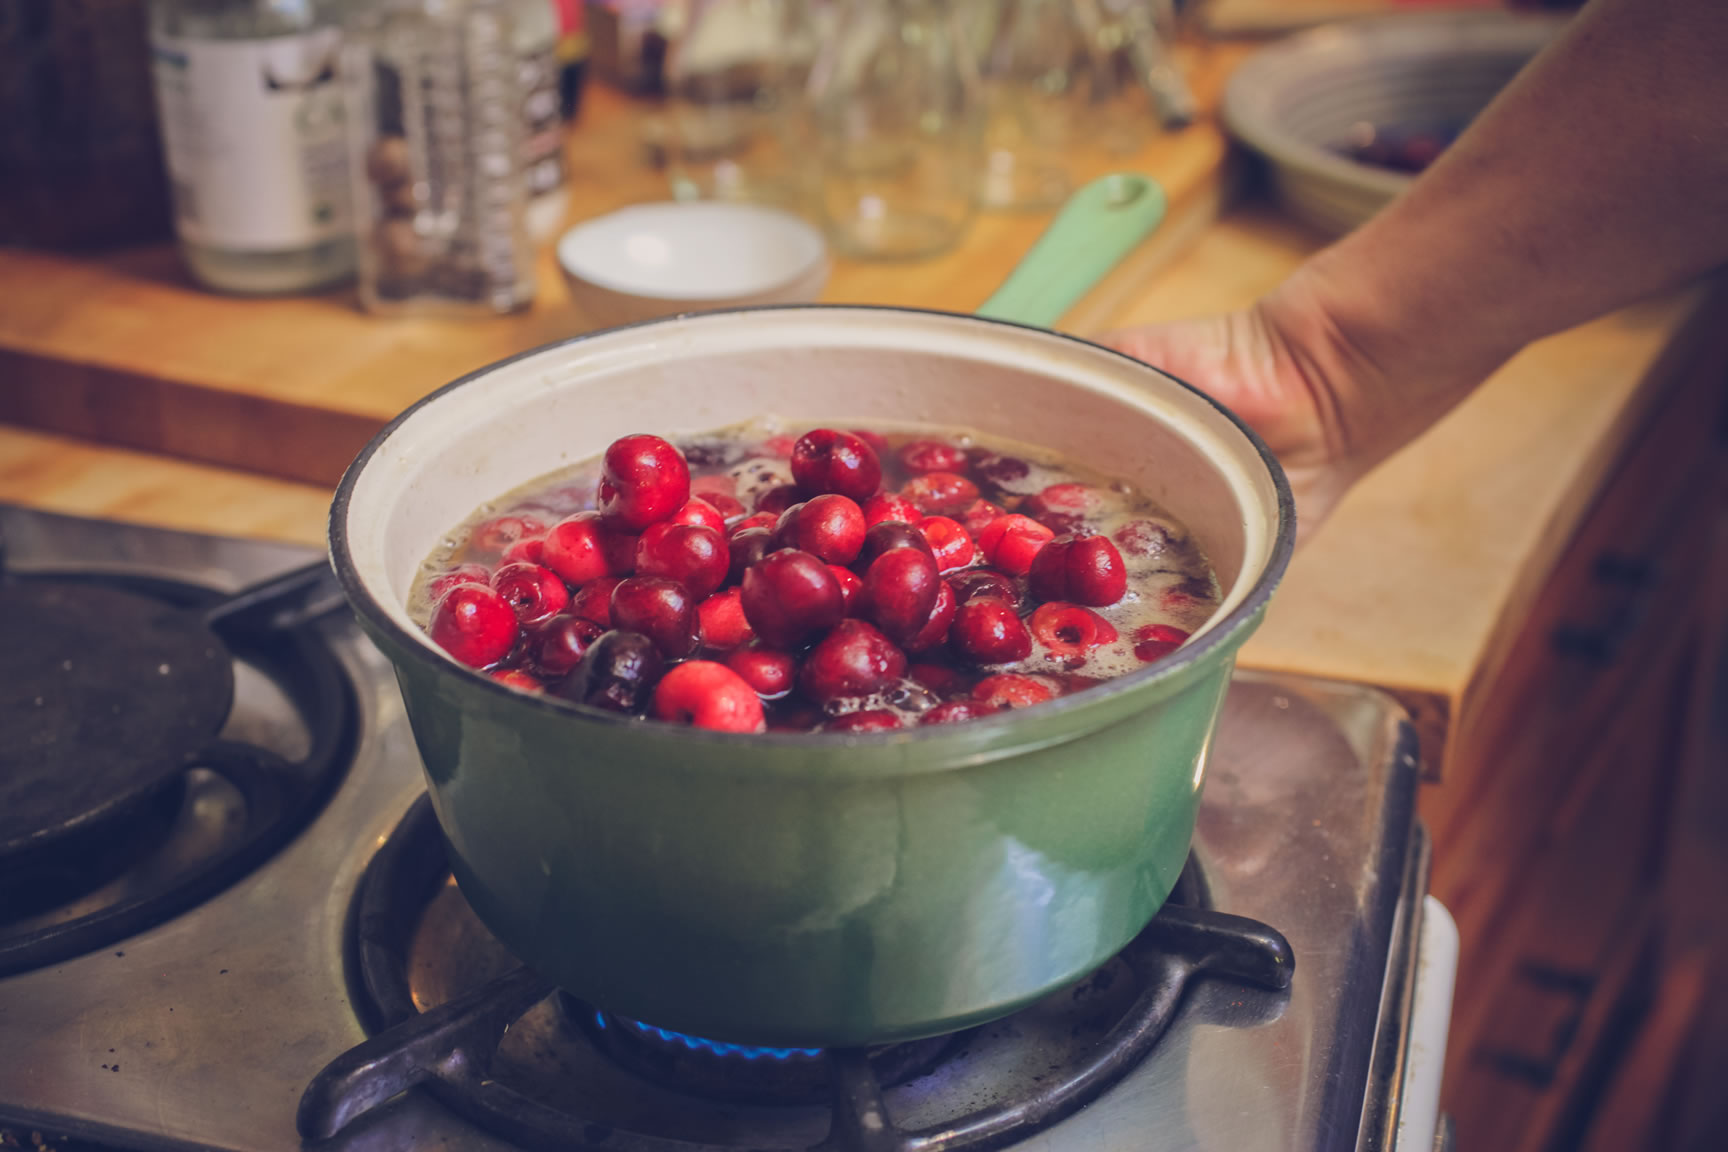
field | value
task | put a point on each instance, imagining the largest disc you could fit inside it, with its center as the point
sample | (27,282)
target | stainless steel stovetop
(205,1030)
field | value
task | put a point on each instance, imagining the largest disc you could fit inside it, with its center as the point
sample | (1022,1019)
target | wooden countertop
(1415,585)
(120,348)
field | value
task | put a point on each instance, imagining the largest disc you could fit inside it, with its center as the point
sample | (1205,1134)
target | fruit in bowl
(838,580)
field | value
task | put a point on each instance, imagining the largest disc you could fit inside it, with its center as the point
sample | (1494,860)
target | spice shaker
(435,132)
(250,106)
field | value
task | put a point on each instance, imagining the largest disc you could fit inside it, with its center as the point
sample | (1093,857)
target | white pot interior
(839,366)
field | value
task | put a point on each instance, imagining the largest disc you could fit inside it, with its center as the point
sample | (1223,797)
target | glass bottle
(435,131)
(895,104)
(250,104)
(536,41)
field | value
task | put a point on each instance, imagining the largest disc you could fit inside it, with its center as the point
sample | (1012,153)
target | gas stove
(261,948)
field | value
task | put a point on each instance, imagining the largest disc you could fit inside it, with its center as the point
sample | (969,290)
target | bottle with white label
(251,109)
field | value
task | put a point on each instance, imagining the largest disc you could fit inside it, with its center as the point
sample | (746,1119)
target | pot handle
(1096,228)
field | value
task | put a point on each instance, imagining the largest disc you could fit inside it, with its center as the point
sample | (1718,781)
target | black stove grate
(453,1049)
(183,823)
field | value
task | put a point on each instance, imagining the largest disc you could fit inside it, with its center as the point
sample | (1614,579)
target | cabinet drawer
(1614,612)
(1570,959)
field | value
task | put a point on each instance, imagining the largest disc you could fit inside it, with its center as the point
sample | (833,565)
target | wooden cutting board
(121,348)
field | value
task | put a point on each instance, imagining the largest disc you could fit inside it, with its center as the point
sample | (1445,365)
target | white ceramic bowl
(651,260)
(1300,100)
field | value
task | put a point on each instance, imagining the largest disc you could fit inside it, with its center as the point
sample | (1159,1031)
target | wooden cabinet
(1551,835)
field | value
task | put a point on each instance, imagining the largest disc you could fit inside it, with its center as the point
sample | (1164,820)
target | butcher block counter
(1535,579)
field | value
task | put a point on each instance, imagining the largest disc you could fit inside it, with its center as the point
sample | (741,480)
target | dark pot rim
(1220,636)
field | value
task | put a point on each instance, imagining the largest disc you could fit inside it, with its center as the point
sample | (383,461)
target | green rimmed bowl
(813,890)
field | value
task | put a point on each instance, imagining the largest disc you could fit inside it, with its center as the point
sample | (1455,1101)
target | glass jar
(250,104)
(895,105)
(1033,61)
(735,74)
(435,131)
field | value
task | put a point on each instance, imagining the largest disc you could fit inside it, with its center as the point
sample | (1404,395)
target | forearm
(1599,176)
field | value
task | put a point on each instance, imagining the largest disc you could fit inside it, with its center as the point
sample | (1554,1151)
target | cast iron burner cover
(123,798)
(454,1013)
(105,697)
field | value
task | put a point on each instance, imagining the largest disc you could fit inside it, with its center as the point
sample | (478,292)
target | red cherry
(712,485)
(617,672)
(830,526)
(720,621)
(439,585)
(755,520)
(695,556)
(745,549)
(902,585)
(852,598)
(791,596)
(593,601)
(931,456)
(699,511)
(869,720)
(838,462)
(707,695)
(854,659)
(1193,593)
(978,514)
(1069,630)
(729,507)
(780,447)
(776,500)
(987,630)
(1083,568)
(517,679)
(534,593)
(938,678)
(1144,538)
(878,442)
(769,671)
(643,480)
(996,468)
(1012,690)
(887,536)
(1011,542)
(1061,507)
(935,629)
(957,712)
(949,542)
(581,548)
(940,493)
(1155,641)
(887,506)
(557,646)
(975,582)
(475,625)
(499,533)
(660,609)
(531,550)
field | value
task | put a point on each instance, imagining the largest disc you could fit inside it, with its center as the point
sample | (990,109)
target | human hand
(1256,363)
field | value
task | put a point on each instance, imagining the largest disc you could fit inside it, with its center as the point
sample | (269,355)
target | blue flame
(719,1047)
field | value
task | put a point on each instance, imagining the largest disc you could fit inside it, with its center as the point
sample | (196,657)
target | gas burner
(455,1013)
(163,740)
(739,1072)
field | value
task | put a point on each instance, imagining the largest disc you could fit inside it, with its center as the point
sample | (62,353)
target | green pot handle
(1096,228)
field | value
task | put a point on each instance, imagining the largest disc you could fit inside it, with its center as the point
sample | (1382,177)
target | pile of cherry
(839,605)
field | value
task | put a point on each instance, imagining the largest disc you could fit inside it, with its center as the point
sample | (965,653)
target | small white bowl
(1298,101)
(662,259)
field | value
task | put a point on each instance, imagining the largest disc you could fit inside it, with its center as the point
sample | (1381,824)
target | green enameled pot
(822,889)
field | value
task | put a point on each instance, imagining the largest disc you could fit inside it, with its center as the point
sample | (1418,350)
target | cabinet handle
(1539,1069)
(1601,644)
